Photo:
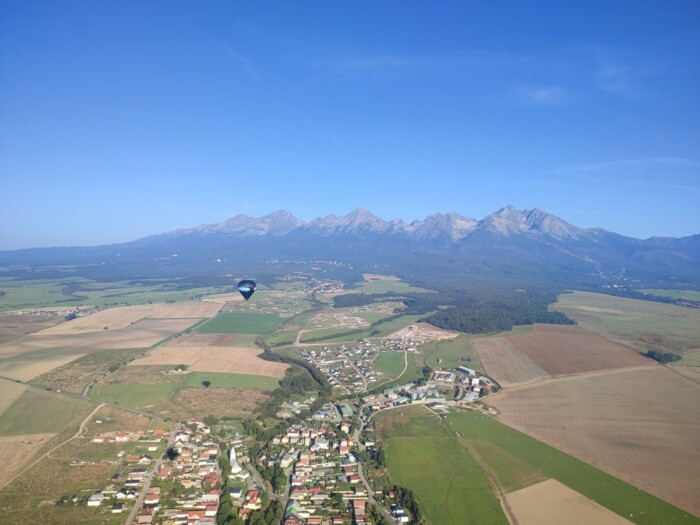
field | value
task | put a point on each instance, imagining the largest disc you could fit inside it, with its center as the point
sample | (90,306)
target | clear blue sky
(124,119)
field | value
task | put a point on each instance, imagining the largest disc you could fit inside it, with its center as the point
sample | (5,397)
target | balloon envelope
(247,288)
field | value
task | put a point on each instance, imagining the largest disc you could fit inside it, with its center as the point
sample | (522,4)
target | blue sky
(124,119)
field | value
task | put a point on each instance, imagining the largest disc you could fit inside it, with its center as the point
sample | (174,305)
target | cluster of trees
(663,357)
(275,475)
(407,500)
(479,311)
(494,317)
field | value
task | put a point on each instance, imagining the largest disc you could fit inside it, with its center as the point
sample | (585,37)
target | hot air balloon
(247,288)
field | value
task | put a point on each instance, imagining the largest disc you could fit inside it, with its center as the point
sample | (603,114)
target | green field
(517,460)
(71,291)
(386,286)
(220,380)
(690,295)
(423,456)
(390,363)
(329,334)
(135,395)
(371,317)
(37,412)
(644,325)
(239,323)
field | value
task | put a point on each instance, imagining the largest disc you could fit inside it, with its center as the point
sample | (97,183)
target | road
(370,493)
(147,481)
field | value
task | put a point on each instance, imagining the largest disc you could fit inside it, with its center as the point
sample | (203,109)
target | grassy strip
(612,493)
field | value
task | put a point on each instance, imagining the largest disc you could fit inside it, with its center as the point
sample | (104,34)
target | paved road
(147,481)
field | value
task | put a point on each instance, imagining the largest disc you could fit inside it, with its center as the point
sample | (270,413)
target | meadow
(643,325)
(38,412)
(690,295)
(239,322)
(72,291)
(390,363)
(449,484)
(535,459)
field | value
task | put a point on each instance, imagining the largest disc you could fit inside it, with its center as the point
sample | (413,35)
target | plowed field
(552,502)
(505,363)
(640,424)
(562,350)
(35,354)
(214,359)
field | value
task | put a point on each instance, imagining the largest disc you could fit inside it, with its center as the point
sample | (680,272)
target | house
(236,492)
(117,508)
(252,500)
(95,500)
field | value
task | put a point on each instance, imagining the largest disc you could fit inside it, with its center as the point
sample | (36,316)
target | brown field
(639,424)
(223,298)
(187,310)
(14,324)
(561,350)
(553,502)
(112,318)
(214,359)
(692,373)
(9,393)
(124,316)
(505,363)
(219,401)
(16,451)
(193,339)
(35,354)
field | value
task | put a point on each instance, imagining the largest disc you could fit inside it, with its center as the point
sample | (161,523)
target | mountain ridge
(452,226)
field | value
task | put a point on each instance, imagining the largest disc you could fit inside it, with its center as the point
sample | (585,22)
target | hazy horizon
(120,121)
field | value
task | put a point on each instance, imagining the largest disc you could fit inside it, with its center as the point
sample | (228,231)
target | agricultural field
(239,322)
(541,460)
(73,291)
(690,295)
(553,502)
(9,393)
(35,354)
(639,424)
(227,359)
(563,350)
(284,303)
(643,325)
(17,324)
(506,363)
(424,456)
(36,491)
(222,380)
(75,376)
(34,421)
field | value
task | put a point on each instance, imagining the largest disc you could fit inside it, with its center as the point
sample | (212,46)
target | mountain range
(510,244)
